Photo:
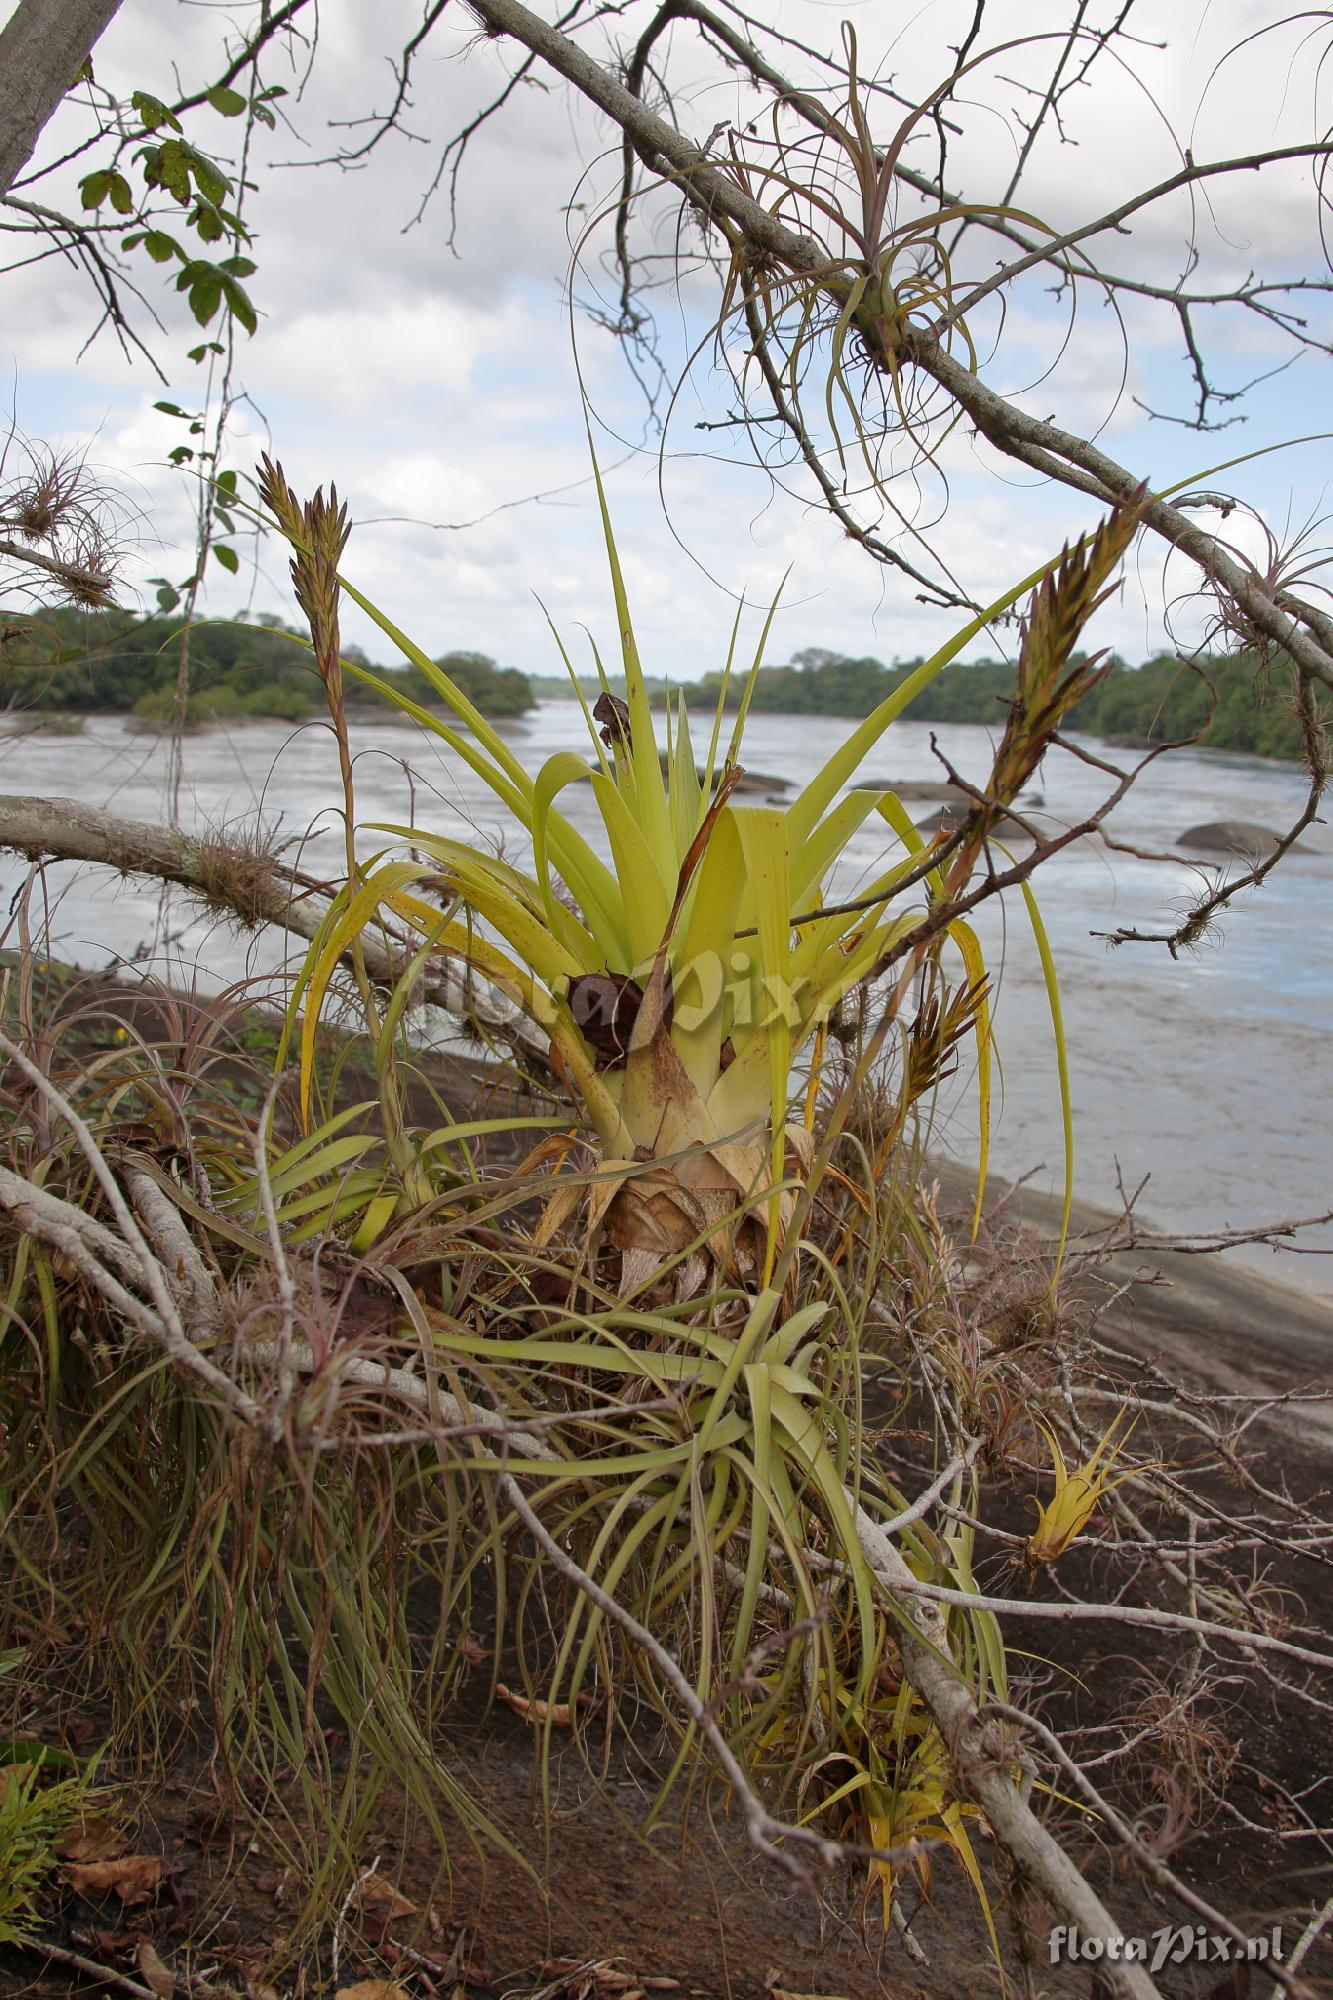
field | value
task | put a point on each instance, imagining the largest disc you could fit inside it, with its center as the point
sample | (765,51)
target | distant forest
(1226,703)
(111,662)
(86,662)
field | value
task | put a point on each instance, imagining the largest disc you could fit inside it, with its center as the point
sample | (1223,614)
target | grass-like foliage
(33,1815)
(41,1795)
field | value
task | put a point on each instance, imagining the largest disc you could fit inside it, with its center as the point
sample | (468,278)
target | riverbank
(1221,703)
(252,673)
(1209,1322)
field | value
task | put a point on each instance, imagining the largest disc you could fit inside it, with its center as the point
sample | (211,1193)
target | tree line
(109,661)
(1224,702)
(80,662)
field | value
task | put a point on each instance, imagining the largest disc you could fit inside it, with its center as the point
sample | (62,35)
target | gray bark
(42,50)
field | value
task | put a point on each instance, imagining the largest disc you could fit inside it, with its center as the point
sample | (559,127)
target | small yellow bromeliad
(1062,1518)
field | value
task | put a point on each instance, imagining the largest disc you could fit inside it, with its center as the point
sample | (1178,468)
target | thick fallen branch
(1152,1864)
(982,1759)
(251,888)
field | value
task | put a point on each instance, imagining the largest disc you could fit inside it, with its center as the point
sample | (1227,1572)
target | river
(1208,1072)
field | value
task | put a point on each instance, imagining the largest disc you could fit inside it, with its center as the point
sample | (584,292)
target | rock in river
(913,789)
(1230,836)
(1003,826)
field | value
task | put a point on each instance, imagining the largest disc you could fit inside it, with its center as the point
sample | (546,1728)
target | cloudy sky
(438,384)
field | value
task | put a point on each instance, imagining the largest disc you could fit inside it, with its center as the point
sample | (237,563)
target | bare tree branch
(753,231)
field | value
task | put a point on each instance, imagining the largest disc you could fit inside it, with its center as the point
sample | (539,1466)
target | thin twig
(1144,1615)
(60,1954)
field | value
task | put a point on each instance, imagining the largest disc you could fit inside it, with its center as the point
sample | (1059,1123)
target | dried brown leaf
(135,1877)
(155,1975)
(535,1710)
(380,1897)
(97,1839)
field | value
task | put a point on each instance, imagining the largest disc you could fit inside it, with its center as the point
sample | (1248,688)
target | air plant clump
(1063,1518)
(318,1561)
(661,1325)
(56,534)
(236,874)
